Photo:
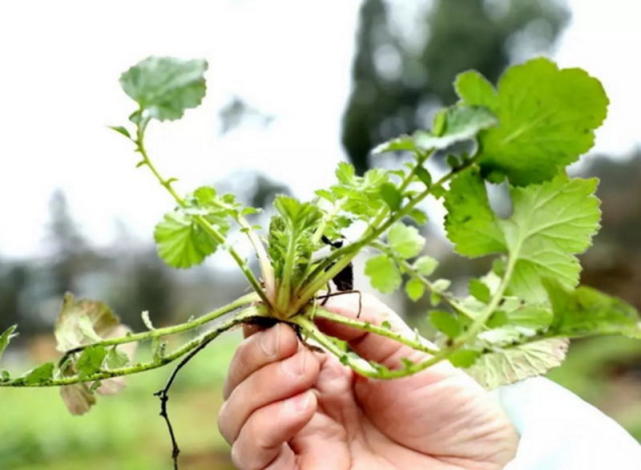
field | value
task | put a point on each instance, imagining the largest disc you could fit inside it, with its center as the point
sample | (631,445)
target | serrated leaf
(547,118)
(586,311)
(165,87)
(290,240)
(414,289)
(446,323)
(470,222)
(391,195)
(5,338)
(425,265)
(518,362)
(182,242)
(405,241)
(550,223)
(479,291)
(383,274)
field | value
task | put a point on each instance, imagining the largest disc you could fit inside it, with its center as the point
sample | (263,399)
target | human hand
(288,408)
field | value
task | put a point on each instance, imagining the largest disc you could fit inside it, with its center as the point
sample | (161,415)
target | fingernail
(295,366)
(268,341)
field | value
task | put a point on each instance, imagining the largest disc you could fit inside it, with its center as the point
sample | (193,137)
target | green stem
(426,282)
(141,367)
(416,344)
(171,330)
(338,259)
(202,221)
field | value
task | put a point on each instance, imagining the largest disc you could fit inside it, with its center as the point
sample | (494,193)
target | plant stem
(202,221)
(170,330)
(417,344)
(426,282)
(141,367)
(338,259)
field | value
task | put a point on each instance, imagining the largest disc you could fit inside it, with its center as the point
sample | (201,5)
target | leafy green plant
(514,322)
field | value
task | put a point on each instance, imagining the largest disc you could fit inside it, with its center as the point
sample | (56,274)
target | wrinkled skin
(289,408)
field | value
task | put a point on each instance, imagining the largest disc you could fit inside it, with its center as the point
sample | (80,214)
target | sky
(59,91)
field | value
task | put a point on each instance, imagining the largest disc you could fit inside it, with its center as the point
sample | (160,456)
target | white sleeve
(559,431)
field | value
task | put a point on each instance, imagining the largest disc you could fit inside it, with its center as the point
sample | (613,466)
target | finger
(262,442)
(258,350)
(368,345)
(271,383)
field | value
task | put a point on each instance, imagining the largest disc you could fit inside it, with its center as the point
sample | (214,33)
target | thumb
(368,345)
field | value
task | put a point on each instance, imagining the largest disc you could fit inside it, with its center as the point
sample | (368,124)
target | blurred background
(294,87)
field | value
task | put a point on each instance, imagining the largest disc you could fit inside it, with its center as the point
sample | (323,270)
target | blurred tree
(614,263)
(408,53)
(70,252)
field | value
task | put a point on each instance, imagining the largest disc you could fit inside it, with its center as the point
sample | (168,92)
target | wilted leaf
(518,362)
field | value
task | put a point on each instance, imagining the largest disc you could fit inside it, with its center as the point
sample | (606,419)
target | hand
(288,408)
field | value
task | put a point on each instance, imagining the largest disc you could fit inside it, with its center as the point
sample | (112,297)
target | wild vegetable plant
(514,322)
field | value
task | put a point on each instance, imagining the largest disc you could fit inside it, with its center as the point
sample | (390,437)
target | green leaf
(83,321)
(121,130)
(165,87)
(39,375)
(182,242)
(425,265)
(535,317)
(419,216)
(405,241)
(518,362)
(398,144)
(90,360)
(414,289)
(470,222)
(383,273)
(479,291)
(424,176)
(446,323)
(460,123)
(550,223)
(391,195)
(290,239)
(5,338)
(441,285)
(464,357)
(586,311)
(547,118)
(472,87)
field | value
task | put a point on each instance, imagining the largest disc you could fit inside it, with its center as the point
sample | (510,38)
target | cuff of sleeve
(560,431)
